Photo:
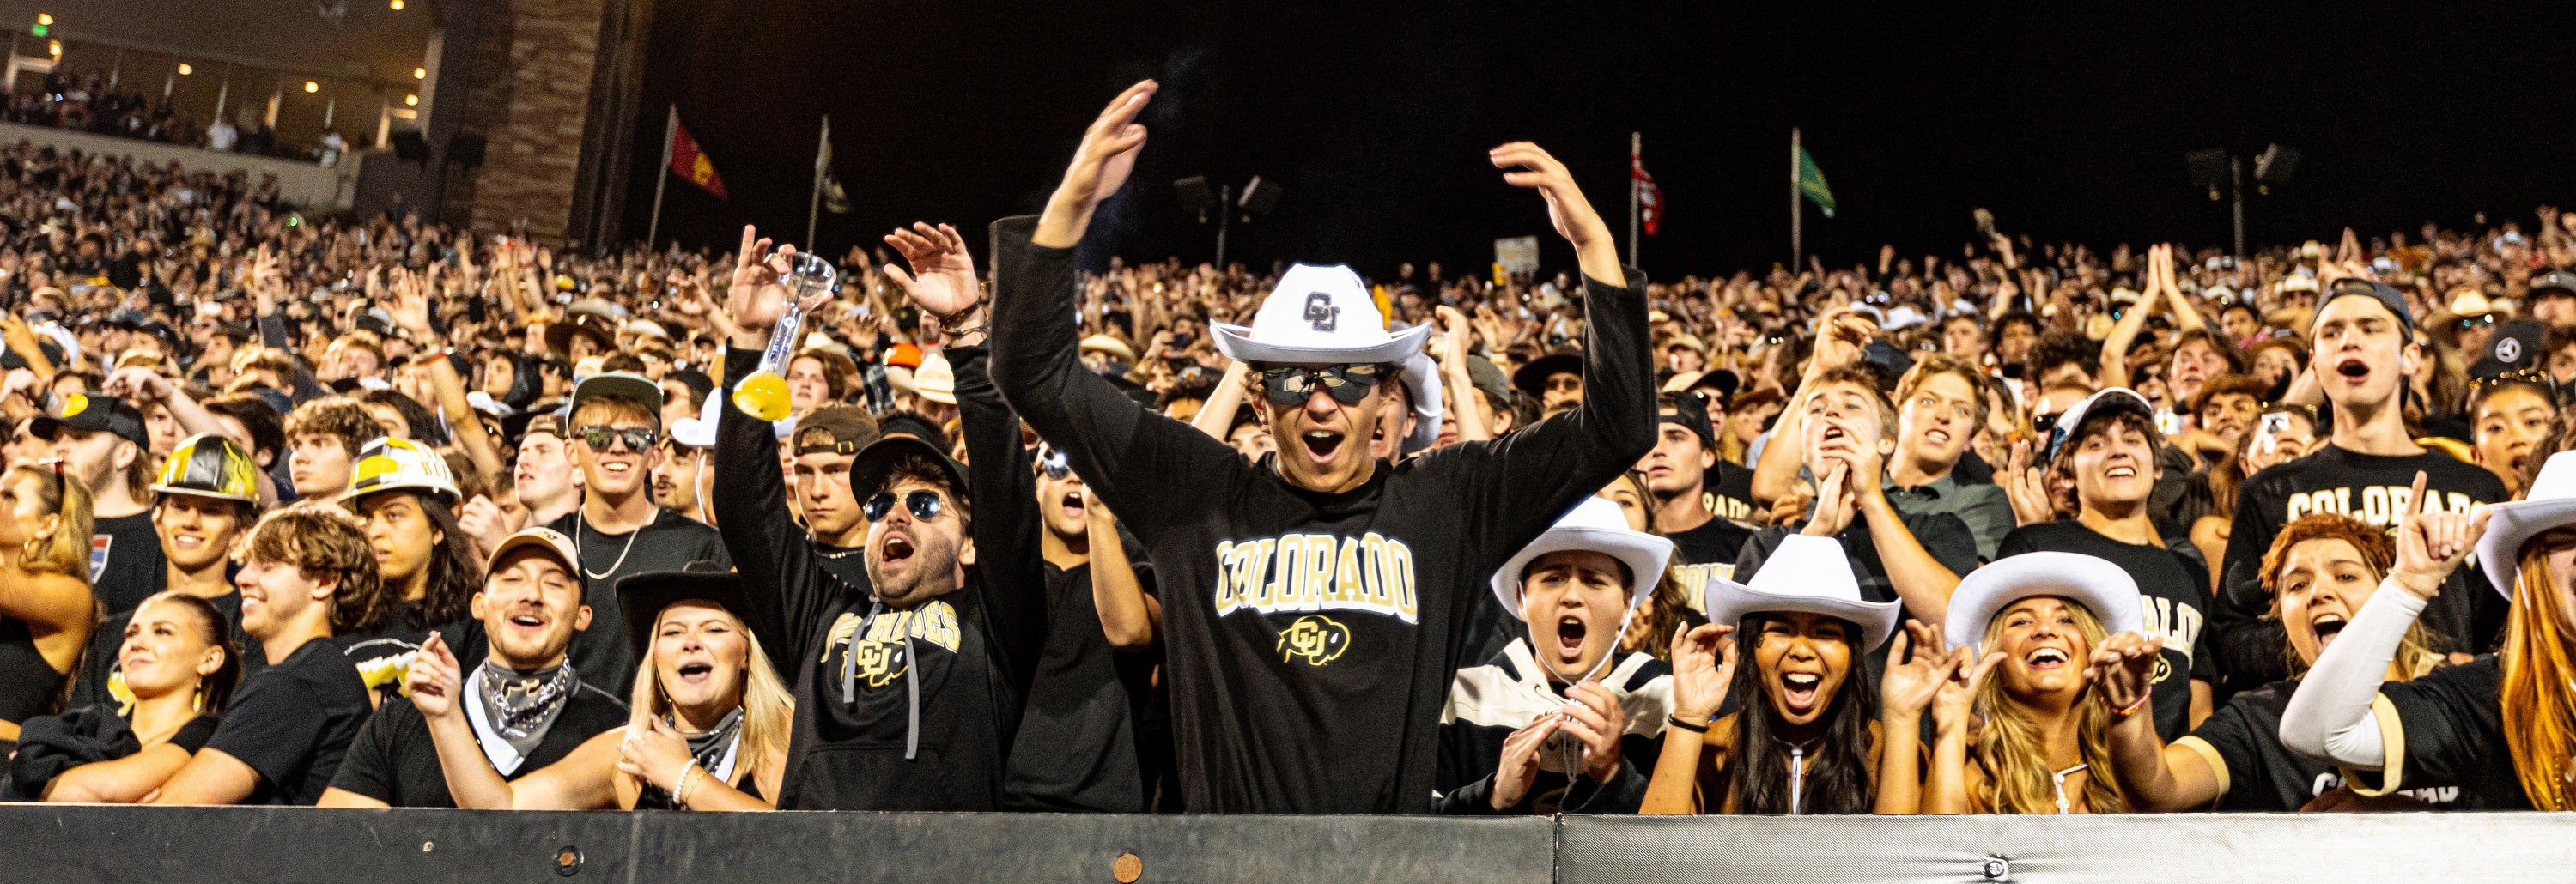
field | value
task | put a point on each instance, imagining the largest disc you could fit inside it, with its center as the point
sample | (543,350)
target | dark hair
(2239,384)
(1758,777)
(2063,464)
(218,686)
(920,469)
(455,573)
(424,425)
(622,361)
(2064,348)
(267,430)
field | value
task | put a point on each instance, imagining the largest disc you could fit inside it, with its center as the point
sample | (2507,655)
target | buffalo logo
(878,662)
(1315,638)
(1320,312)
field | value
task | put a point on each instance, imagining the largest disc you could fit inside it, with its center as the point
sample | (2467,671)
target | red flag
(1650,199)
(690,163)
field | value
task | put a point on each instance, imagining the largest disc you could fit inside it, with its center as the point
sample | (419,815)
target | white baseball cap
(1318,314)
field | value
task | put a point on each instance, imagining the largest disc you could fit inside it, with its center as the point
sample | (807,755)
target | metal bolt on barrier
(568,861)
(1128,868)
(1996,868)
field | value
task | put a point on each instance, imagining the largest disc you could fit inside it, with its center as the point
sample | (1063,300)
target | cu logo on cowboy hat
(1320,312)
(1314,637)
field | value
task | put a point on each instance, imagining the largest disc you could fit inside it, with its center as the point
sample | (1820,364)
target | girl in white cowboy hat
(2503,724)
(1561,719)
(2041,727)
(1803,738)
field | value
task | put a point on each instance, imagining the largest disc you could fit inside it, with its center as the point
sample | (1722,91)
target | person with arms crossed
(183,670)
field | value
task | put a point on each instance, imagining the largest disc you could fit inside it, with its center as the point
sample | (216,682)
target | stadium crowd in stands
(373,511)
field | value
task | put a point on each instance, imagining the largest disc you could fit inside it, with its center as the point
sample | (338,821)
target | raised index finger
(2415,502)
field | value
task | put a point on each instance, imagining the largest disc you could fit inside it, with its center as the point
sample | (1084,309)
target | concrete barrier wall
(302,183)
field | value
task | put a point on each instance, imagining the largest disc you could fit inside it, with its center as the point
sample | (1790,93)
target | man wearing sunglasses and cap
(1328,592)
(2365,350)
(613,433)
(909,686)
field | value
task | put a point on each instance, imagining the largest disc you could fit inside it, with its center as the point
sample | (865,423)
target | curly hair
(325,542)
(338,417)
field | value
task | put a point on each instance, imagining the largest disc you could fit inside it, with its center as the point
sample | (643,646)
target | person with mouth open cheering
(1308,676)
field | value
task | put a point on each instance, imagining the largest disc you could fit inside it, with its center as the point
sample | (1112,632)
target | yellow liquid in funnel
(763,395)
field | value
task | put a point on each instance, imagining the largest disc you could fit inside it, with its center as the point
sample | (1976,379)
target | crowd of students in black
(368,513)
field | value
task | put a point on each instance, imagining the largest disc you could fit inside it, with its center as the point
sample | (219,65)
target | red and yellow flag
(692,164)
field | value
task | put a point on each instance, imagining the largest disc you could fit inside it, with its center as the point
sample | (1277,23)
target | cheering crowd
(353,512)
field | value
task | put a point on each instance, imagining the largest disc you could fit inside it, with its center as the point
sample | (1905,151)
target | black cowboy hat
(1531,379)
(641,598)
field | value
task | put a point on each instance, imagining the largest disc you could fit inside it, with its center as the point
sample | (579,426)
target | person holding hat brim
(909,685)
(2364,354)
(1241,662)
(2036,619)
(706,729)
(209,497)
(518,712)
(1786,653)
(1561,719)
(2104,450)
(2497,726)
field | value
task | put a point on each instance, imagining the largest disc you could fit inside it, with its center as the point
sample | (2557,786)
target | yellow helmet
(387,464)
(208,465)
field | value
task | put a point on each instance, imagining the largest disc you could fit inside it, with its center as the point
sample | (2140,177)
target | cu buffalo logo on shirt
(1315,638)
(1295,573)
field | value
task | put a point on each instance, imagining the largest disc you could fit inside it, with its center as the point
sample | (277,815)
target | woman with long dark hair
(1803,738)
(406,495)
(180,665)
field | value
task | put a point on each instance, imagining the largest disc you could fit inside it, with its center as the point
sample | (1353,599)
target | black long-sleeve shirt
(1309,638)
(908,709)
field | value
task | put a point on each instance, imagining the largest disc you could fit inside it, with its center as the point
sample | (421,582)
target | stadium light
(44,23)
(420,73)
(186,69)
(411,101)
(397,5)
(310,86)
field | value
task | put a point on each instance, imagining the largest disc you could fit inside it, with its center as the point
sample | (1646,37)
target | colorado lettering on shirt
(934,622)
(2381,506)
(2179,625)
(1694,579)
(1317,572)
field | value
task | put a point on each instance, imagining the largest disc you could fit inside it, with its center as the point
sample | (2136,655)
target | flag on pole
(690,163)
(1650,199)
(1811,181)
(835,200)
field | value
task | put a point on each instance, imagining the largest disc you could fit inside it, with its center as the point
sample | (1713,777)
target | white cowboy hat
(2551,503)
(2092,581)
(1318,314)
(1808,574)
(1422,377)
(1595,525)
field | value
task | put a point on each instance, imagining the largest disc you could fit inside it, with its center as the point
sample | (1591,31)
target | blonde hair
(2018,779)
(66,552)
(2538,704)
(768,710)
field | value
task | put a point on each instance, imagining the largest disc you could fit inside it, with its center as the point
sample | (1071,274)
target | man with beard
(908,688)
(209,496)
(614,428)
(2364,352)
(1337,588)
(527,705)
(680,483)
(103,446)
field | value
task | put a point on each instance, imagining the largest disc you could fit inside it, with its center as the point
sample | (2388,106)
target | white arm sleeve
(2329,717)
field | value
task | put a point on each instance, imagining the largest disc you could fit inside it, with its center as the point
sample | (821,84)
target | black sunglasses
(924,504)
(1348,384)
(637,439)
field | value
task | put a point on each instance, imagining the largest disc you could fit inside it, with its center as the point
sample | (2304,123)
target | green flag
(1811,181)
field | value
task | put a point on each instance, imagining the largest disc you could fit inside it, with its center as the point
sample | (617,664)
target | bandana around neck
(518,708)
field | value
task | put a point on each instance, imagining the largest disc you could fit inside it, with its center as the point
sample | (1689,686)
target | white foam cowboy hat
(1808,574)
(2551,504)
(2092,581)
(1422,377)
(1318,315)
(1595,525)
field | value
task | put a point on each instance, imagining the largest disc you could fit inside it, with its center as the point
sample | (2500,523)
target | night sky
(2069,123)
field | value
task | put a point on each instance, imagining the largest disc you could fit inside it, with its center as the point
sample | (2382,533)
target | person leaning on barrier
(179,667)
(1785,652)
(526,705)
(1323,700)
(707,728)
(1561,719)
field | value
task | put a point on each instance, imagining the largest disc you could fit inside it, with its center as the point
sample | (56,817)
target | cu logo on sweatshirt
(1320,312)
(1314,638)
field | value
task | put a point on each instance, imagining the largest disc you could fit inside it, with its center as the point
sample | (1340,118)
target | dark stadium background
(2068,120)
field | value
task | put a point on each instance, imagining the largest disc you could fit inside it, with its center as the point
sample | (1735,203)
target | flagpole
(822,159)
(1797,213)
(653,229)
(1636,150)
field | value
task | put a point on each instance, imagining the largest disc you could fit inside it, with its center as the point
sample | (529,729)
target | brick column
(534,144)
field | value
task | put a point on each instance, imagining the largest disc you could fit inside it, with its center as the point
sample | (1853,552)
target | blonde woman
(2042,730)
(46,610)
(710,719)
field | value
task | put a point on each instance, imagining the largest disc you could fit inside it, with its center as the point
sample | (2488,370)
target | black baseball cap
(2386,295)
(875,466)
(2559,281)
(1689,409)
(85,413)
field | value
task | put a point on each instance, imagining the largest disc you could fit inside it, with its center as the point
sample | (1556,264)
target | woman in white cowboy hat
(1803,738)
(2042,729)
(2503,724)
(1561,719)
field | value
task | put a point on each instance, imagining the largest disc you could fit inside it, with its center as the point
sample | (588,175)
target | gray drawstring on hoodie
(911,681)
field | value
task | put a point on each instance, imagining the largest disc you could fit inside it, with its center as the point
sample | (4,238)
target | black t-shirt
(125,563)
(48,745)
(293,723)
(1077,746)
(2374,489)
(102,677)
(669,543)
(848,563)
(1728,490)
(2454,734)
(392,759)
(1707,551)
(2173,595)
(2264,776)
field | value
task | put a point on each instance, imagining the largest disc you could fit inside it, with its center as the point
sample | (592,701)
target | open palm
(942,280)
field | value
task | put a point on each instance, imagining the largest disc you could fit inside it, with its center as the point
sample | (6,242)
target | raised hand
(1834,504)
(1957,698)
(410,307)
(1518,769)
(1703,670)
(942,279)
(2430,545)
(1099,167)
(757,297)
(2123,669)
(1566,208)
(2026,486)
(435,681)
(1909,686)
(138,385)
